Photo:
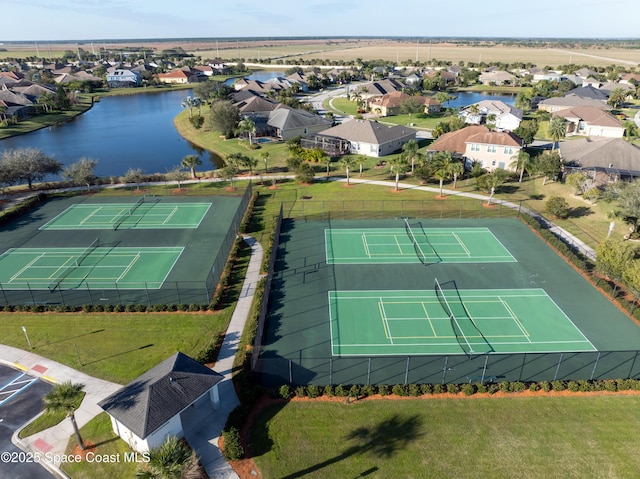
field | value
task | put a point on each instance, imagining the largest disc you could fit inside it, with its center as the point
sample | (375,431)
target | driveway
(20,400)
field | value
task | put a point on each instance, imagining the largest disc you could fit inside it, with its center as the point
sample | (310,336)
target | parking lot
(20,400)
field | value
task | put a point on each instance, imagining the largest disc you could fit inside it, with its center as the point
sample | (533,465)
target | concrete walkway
(203,439)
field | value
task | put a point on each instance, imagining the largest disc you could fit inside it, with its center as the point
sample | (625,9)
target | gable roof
(366,131)
(289,119)
(587,92)
(601,153)
(456,141)
(255,104)
(502,138)
(149,401)
(589,114)
(496,107)
(573,100)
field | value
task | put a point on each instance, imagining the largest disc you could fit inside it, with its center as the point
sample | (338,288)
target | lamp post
(24,328)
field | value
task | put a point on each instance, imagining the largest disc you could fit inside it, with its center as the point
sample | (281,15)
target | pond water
(121,132)
(465,98)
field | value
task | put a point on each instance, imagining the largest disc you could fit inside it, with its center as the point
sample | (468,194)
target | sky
(54,20)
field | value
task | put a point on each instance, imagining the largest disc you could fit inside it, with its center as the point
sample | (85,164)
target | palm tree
(520,162)
(198,102)
(399,165)
(249,126)
(457,169)
(173,459)
(442,167)
(187,102)
(347,163)
(191,161)
(411,148)
(265,156)
(66,397)
(557,130)
(617,97)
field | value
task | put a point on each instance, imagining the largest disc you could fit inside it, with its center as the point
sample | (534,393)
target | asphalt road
(20,400)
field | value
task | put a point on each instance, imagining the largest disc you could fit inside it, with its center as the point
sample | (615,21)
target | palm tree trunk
(491,195)
(193,172)
(347,176)
(441,182)
(521,175)
(397,179)
(76,431)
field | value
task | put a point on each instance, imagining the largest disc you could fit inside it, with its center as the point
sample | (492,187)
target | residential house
(503,116)
(591,121)
(604,159)
(286,123)
(122,78)
(630,79)
(370,138)
(492,149)
(563,102)
(178,77)
(380,87)
(161,402)
(257,86)
(588,92)
(431,106)
(389,104)
(497,78)
(585,73)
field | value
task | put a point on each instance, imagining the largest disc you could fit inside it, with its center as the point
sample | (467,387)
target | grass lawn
(117,347)
(48,419)
(522,437)
(99,433)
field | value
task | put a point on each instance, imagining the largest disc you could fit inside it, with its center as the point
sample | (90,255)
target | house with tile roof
(563,102)
(505,117)
(492,149)
(371,138)
(497,78)
(591,121)
(177,77)
(390,104)
(157,404)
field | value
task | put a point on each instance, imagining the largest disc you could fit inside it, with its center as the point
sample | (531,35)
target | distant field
(351,49)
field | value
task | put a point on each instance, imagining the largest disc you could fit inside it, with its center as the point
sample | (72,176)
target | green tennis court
(417,244)
(96,267)
(146,213)
(374,323)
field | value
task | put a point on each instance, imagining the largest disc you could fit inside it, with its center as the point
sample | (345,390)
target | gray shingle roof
(368,132)
(149,401)
(602,153)
(289,119)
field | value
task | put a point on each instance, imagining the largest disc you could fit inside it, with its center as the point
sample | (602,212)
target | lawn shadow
(76,336)
(119,354)
(380,441)
(580,211)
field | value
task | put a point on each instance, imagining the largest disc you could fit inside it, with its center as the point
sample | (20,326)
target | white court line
(385,323)
(27,266)
(128,268)
(366,245)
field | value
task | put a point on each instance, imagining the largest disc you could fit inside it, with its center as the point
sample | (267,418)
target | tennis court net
(76,263)
(416,246)
(460,336)
(127,213)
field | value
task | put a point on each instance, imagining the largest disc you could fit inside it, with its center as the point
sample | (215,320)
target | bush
(533,387)
(558,385)
(414,390)
(558,207)
(233,450)
(340,391)
(301,392)
(468,389)
(481,388)
(438,389)
(399,390)
(354,391)
(573,386)
(504,386)
(368,390)
(313,391)
(426,389)
(452,388)
(328,391)
(285,391)
(517,386)
(383,390)
(545,386)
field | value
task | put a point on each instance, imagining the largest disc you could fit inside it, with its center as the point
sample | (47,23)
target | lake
(465,98)
(121,132)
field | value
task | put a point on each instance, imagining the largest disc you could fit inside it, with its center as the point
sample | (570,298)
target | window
(475,147)
(508,150)
(491,149)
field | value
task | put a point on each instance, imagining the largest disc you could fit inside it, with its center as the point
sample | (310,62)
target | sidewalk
(54,440)
(204,440)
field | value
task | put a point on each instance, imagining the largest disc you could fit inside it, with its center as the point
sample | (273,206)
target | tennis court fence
(430,208)
(101,293)
(300,370)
